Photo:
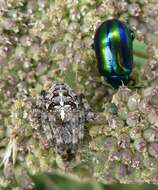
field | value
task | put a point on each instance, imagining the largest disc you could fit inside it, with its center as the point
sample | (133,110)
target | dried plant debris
(10,153)
(61,115)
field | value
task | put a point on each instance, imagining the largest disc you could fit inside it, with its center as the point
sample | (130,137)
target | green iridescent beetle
(113,45)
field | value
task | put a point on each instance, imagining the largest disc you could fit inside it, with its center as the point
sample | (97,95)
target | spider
(62,114)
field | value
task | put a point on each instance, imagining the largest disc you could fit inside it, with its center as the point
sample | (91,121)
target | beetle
(113,46)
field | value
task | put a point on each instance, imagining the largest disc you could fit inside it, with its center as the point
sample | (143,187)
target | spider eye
(71,104)
(53,105)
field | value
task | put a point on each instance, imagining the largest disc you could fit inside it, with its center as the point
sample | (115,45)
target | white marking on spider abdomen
(62,112)
(61,99)
(74,136)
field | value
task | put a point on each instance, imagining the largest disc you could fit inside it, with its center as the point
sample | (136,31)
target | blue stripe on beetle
(113,45)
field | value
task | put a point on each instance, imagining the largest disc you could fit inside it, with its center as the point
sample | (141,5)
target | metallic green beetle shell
(114,51)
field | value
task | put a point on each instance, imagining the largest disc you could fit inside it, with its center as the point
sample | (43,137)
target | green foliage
(57,182)
(43,41)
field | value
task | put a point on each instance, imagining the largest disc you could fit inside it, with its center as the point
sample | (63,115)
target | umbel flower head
(43,41)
